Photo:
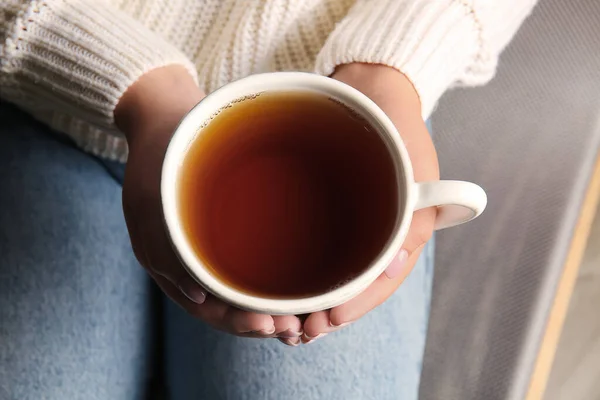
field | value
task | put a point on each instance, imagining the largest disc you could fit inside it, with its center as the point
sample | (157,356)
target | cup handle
(457,201)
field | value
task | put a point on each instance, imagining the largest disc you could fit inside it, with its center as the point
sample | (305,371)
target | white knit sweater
(67,62)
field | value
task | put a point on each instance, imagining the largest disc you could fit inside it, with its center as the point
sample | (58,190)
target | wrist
(156,102)
(384,85)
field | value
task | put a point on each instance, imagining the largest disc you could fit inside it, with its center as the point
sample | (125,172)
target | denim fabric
(79,318)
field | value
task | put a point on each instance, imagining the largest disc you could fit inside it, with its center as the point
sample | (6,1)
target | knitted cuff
(435,43)
(77,57)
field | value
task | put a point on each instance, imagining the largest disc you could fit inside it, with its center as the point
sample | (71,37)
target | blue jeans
(79,318)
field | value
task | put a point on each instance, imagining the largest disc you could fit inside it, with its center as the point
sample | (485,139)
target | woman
(79,318)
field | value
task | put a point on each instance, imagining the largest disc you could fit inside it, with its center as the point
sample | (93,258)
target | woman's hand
(148,113)
(396,96)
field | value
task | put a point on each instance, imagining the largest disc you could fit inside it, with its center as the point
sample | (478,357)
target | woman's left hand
(396,96)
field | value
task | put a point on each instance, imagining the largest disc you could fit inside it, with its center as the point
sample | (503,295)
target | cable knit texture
(68,62)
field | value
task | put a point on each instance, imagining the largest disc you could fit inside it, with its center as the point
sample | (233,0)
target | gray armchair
(531,139)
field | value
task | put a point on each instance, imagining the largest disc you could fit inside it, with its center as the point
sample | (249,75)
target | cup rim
(191,126)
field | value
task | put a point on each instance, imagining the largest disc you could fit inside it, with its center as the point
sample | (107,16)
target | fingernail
(269,331)
(397,265)
(331,324)
(290,342)
(307,339)
(192,290)
(264,332)
(290,334)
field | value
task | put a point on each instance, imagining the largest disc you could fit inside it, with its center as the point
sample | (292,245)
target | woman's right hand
(148,114)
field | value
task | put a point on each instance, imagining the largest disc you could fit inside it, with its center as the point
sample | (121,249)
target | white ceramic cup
(457,201)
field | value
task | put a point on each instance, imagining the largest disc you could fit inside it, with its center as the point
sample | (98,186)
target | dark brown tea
(288,194)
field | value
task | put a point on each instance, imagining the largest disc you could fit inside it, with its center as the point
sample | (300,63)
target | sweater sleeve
(68,62)
(436,43)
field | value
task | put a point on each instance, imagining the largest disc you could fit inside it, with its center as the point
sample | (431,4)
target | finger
(240,322)
(170,269)
(373,296)
(176,295)
(160,259)
(217,313)
(292,342)
(233,320)
(211,311)
(316,326)
(287,326)
(191,289)
(421,230)
(159,254)
(143,214)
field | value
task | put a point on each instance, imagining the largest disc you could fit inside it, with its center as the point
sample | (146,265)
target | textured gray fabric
(530,138)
